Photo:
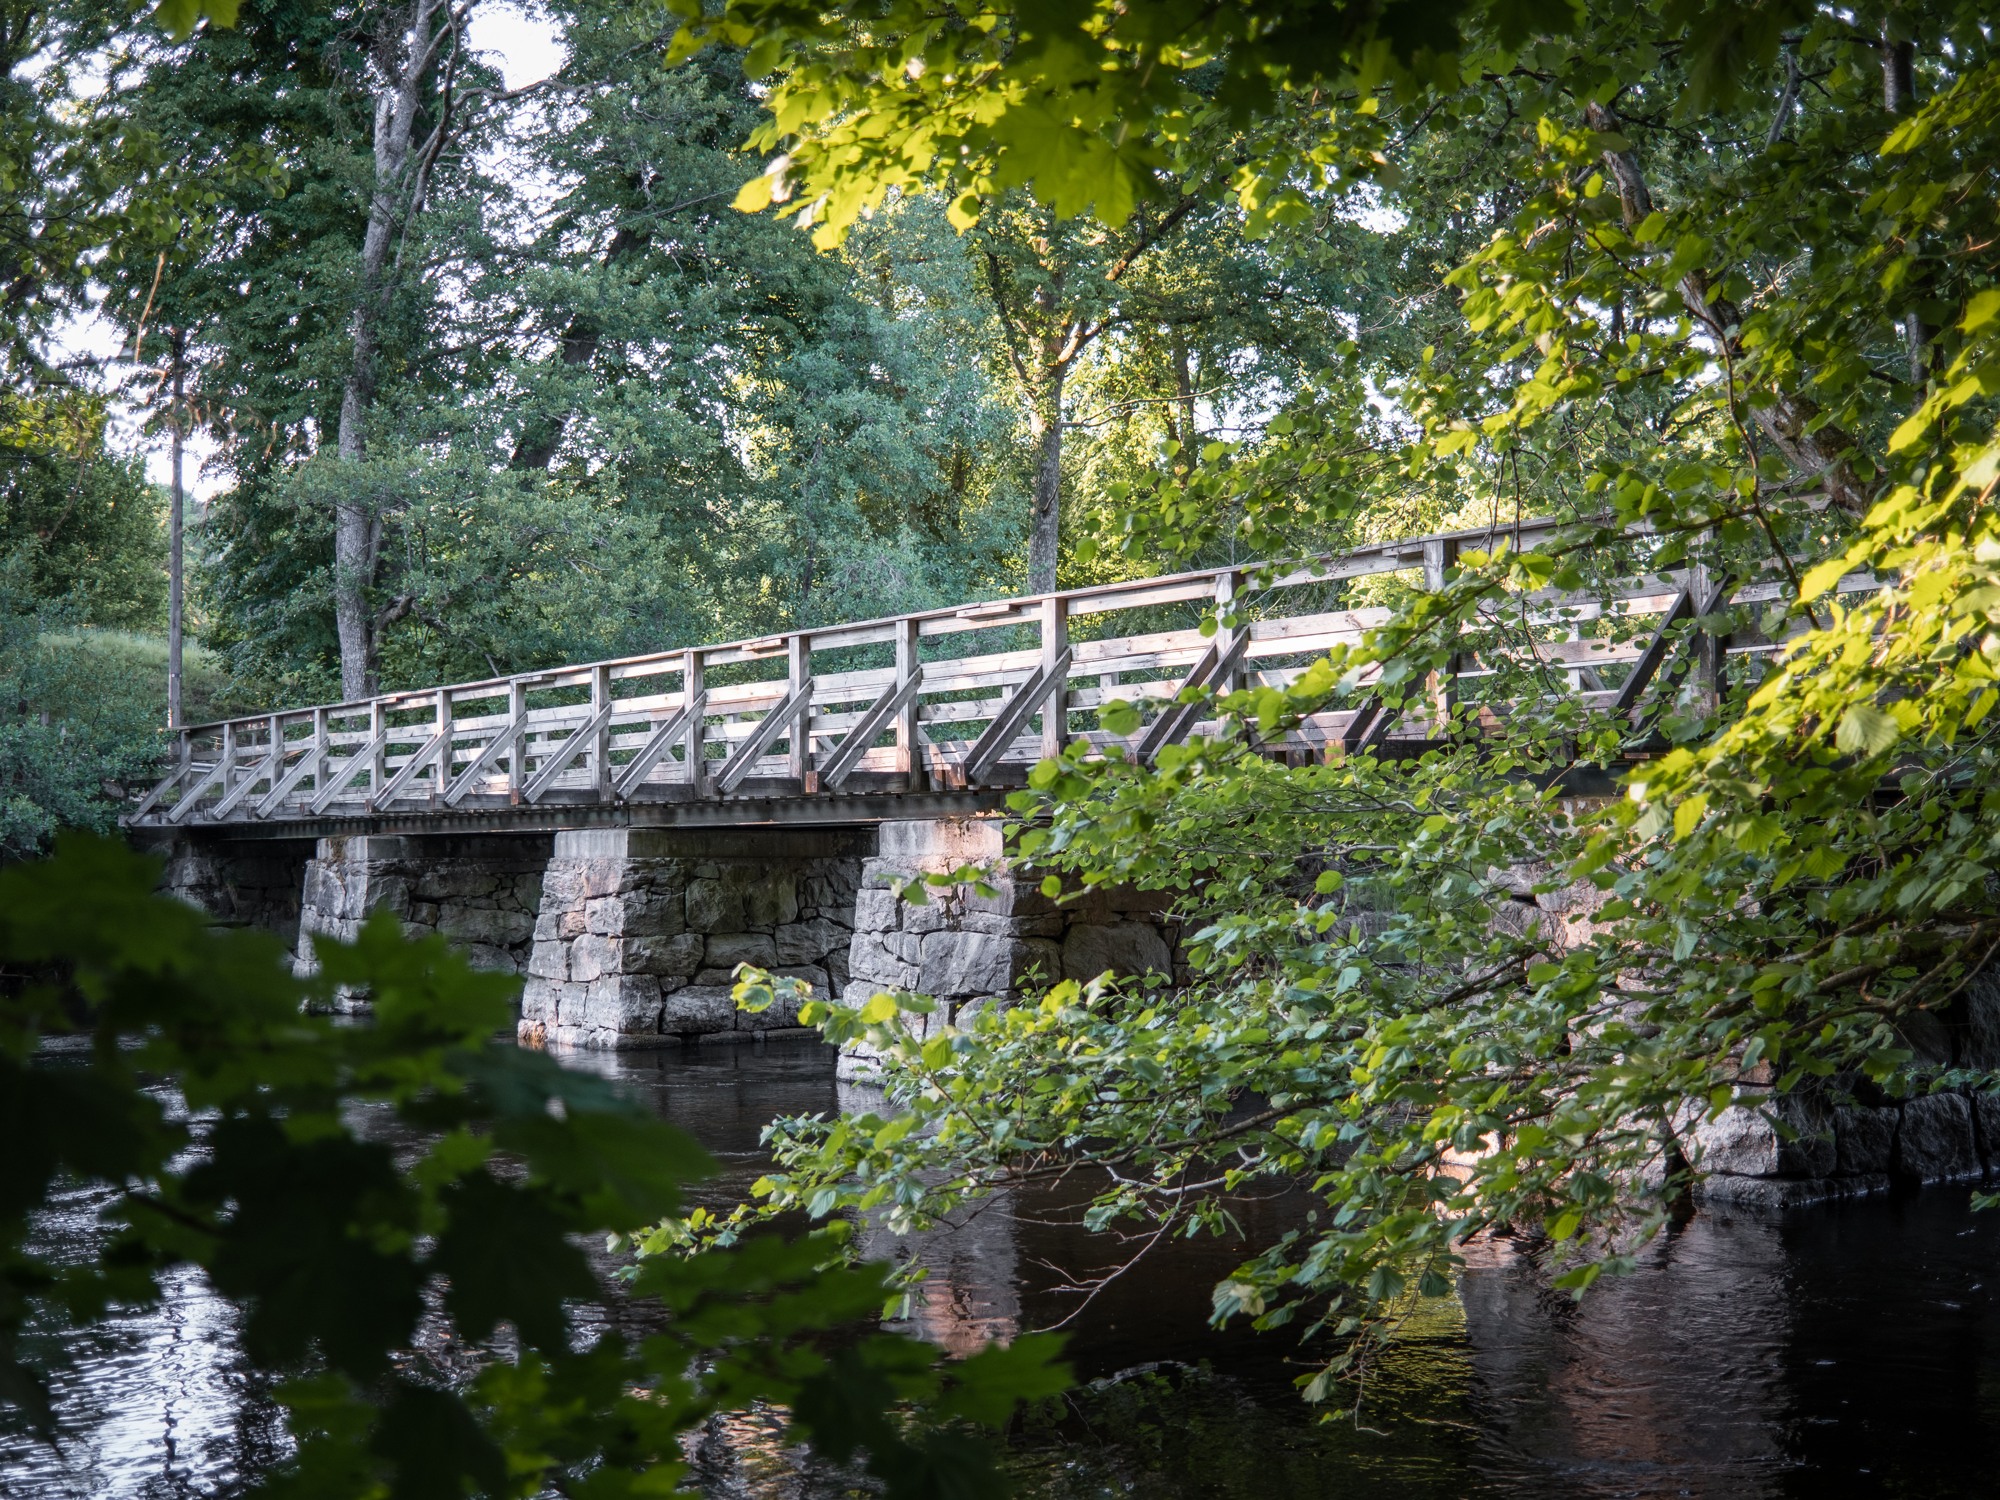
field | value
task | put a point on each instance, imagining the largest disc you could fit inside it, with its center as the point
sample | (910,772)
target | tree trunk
(404,52)
(1788,420)
(1045,525)
(176,501)
(1188,436)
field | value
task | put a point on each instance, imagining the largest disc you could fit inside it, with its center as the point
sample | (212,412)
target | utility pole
(176,421)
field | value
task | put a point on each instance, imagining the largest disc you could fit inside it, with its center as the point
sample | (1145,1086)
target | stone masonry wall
(480,893)
(640,931)
(1825,1150)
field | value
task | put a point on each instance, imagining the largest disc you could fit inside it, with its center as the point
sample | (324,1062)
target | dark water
(1846,1350)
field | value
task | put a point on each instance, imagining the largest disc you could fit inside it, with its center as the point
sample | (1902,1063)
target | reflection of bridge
(915,716)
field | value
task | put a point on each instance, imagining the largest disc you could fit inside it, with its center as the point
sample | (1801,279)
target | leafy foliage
(341,1248)
(1721,293)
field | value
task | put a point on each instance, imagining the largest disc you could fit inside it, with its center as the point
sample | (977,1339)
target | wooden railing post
(600,753)
(1055,712)
(517,752)
(378,768)
(798,670)
(1711,648)
(228,758)
(1441,686)
(444,750)
(322,746)
(909,762)
(693,686)
(277,734)
(1225,633)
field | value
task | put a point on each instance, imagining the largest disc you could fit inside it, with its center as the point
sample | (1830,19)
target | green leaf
(1866,730)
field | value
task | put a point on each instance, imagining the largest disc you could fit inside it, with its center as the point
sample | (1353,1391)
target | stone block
(933,915)
(624,1003)
(485,956)
(572,924)
(561,886)
(784,1011)
(453,880)
(1986,1124)
(713,907)
(646,911)
(876,911)
(605,877)
(975,963)
(390,893)
(1743,1141)
(570,1003)
(549,961)
(675,957)
(538,1000)
(1047,925)
(907,946)
(485,924)
(1124,948)
(728,949)
(810,942)
(1865,1140)
(1014,895)
(697,1009)
(1981,1036)
(772,900)
(592,958)
(1935,1143)
(871,963)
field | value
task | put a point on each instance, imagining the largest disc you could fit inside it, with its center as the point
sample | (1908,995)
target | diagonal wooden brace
(1174,722)
(1014,714)
(1654,656)
(430,751)
(487,758)
(856,742)
(349,769)
(289,783)
(773,724)
(640,766)
(559,759)
(182,810)
(168,782)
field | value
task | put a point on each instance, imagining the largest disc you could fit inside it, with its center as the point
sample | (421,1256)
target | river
(1850,1349)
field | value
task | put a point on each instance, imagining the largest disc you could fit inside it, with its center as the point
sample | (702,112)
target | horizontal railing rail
(956,699)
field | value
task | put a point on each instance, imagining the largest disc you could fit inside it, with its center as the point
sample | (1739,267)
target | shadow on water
(1852,1349)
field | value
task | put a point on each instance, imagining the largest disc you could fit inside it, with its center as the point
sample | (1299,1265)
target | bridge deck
(903,717)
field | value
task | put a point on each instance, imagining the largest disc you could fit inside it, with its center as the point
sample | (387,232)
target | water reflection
(1846,1350)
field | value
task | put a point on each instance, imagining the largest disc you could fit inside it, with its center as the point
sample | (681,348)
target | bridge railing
(963,698)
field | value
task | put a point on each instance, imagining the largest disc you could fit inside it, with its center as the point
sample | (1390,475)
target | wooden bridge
(920,715)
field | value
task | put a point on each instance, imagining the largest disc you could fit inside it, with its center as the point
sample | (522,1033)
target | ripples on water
(1847,1350)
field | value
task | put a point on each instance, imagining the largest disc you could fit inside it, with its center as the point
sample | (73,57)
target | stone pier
(966,949)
